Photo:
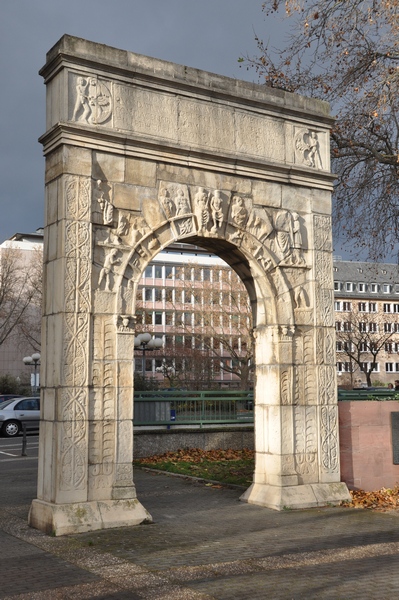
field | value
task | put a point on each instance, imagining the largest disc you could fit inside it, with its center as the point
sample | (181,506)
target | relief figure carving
(216,211)
(105,273)
(182,204)
(239,213)
(107,208)
(92,101)
(201,208)
(307,148)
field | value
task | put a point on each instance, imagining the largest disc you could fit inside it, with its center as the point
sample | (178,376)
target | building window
(389,367)
(158,271)
(347,306)
(347,326)
(337,306)
(373,327)
(158,294)
(363,347)
(168,272)
(338,346)
(148,271)
(374,288)
(338,326)
(148,294)
(337,286)
(387,327)
(395,308)
(349,286)
(386,288)
(361,287)
(362,306)
(388,348)
(387,308)
(362,327)
(157,318)
(372,307)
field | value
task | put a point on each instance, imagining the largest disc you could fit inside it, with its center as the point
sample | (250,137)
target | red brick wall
(366,444)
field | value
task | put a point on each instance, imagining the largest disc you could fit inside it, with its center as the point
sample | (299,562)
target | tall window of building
(148,294)
(349,286)
(337,286)
(387,327)
(386,288)
(362,306)
(373,288)
(347,306)
(158,271)
(387,307)
(169,272)
(372,306)
(389,367)
(148,271)
(337,306)
(361,287)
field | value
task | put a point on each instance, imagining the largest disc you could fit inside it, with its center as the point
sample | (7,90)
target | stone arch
(131,166)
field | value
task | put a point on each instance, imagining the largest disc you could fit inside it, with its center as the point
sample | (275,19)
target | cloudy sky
(206,34)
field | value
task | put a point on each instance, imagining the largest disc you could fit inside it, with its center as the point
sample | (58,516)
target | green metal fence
(192,407)
(368,394)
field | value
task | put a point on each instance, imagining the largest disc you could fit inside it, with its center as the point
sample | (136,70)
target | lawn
(225,466)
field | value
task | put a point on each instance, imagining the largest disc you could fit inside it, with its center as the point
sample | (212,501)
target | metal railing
(192,407)
(368,394)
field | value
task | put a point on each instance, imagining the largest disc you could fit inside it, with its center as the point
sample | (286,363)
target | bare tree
(20,294)
(348,54)
(362,337)
(213,312)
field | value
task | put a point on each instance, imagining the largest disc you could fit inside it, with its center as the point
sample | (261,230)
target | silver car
(15,412)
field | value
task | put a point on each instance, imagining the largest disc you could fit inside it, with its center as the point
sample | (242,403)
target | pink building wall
(366,444)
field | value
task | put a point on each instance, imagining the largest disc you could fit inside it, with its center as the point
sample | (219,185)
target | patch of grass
(225,466)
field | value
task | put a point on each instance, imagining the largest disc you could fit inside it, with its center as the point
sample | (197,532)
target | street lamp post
(35,361)
(145,342)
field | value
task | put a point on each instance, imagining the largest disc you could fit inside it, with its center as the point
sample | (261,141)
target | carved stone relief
(322,233)
(306,442)
(329,439)
(307,149)
(91,99)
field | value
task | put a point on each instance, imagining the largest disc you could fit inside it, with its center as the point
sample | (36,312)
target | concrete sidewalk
(203,544)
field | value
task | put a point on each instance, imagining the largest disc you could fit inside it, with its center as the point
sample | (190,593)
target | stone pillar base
(296,496)
(63,519)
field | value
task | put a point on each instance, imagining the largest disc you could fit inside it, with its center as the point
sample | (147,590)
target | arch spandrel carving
(132,169)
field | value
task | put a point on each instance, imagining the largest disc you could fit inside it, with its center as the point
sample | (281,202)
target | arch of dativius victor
(141,153)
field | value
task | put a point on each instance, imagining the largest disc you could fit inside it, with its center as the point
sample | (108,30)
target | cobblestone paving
(204,544)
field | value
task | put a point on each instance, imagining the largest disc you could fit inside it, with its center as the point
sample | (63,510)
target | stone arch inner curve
(141,153)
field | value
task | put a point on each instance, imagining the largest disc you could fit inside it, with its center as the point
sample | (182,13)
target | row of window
(348,367)
(191,319)
(158,365)
(187,272)
(388,307)
(373,288)
(176,295)
(389,347)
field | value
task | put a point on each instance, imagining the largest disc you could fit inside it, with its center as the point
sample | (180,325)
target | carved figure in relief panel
(260,226)
(182,203)
(288,238)
(167,203)
(107,209)
(239,213)
(105,273)
(201,209)
(301,297)
(216,211)
(92,101)
(307,148)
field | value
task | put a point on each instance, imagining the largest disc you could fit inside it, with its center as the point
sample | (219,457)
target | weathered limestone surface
(141,153)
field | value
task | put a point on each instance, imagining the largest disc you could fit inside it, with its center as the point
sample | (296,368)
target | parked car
(9,396)
(16,411)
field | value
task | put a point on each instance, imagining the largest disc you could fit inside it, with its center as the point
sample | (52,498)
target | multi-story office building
(367,322)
